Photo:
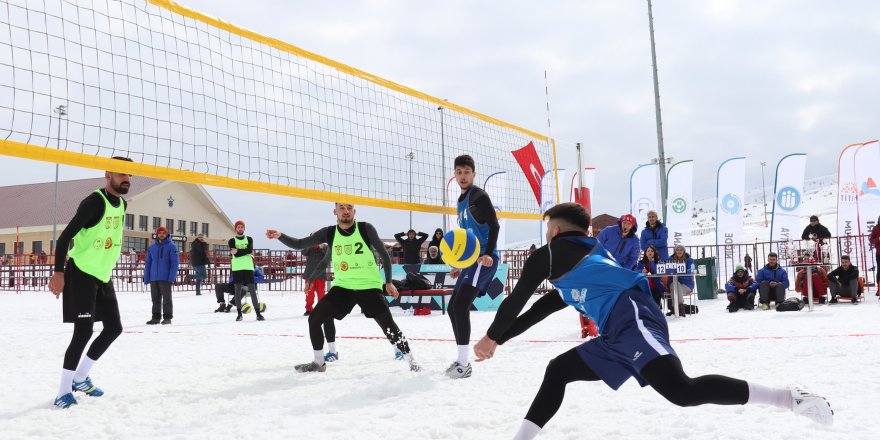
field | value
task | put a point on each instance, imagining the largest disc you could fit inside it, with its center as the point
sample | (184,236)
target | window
(220,248)
(181,227)
(2,248)
(205,229)
(36,247)
(19,247)
(169,225)
(129,222)
(193,228)
(142,223)
(156,223)
(136,243)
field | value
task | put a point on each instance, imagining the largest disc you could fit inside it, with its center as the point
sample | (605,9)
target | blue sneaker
(398,355)
(331,357)
(65,401)
(88,387)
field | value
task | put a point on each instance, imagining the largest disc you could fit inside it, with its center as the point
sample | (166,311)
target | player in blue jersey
(475,212)
(633,338)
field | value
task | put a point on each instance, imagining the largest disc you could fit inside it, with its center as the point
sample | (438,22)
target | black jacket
(412,248)
(198,254)
(844,276)
(819,230)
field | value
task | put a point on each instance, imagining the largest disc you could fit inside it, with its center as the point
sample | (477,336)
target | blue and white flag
(788,197)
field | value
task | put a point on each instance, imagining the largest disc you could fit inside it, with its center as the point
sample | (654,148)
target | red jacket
(875,238)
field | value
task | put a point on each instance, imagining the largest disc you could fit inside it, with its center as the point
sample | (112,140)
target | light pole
(410,156)
(661,153)
(61,110)
(764,192)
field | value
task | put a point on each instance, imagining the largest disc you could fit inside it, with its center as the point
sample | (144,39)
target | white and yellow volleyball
(460,248)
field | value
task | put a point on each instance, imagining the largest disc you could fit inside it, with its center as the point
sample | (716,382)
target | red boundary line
(544,341)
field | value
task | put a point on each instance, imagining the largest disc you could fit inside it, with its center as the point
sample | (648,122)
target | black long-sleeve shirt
(242,252)
(483,212)
(412,248)
(326,235)
(88,214)
(844,276)
(547,262)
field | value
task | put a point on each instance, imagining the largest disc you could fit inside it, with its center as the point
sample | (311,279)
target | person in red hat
(160,272)
(621,241)
(241,248)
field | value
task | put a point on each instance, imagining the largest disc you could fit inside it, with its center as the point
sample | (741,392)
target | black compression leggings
(664,374)
(82,332)
(460,312)
(322,316)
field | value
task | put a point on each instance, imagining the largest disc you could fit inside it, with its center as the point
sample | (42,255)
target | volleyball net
(196,99)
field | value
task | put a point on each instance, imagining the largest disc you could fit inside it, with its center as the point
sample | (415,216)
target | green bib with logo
(97,249)
(244,262)
(354,265)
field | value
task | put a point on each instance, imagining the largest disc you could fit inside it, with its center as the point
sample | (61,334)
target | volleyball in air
(459,248)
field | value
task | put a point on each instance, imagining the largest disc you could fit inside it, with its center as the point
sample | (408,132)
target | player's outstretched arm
(317,237)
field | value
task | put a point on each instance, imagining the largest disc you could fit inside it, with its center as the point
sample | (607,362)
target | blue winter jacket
(657,237)
(624,249)
(689,268)
(767,274)
(162,261)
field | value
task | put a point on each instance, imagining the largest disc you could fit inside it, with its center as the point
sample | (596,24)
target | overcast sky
(757,78)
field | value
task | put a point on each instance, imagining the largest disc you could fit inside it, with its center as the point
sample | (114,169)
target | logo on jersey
(107,222)
(343,266)
(348,249)
(108,243)
(637,356)
(98,244)
(338,249)
(579,295)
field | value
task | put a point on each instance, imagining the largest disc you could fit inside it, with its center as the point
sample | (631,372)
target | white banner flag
(452,193)
(680,202)
(847,204)
(867,161)
(787,201)
(729,212)
(644,194)
(496,187)
(548,193)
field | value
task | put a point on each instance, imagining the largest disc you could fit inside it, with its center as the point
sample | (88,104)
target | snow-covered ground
(207,376)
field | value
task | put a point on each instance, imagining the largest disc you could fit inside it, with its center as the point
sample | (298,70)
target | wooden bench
(442,293)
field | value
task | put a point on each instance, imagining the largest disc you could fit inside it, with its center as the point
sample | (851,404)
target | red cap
(161,228)
(239,222)
(628,217)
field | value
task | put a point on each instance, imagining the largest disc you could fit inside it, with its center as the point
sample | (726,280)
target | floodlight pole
(662,155)
(61,110)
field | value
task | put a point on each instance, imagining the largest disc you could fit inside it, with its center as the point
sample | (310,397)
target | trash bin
(707,285)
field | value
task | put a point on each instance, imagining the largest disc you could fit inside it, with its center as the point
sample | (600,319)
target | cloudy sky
(757,78)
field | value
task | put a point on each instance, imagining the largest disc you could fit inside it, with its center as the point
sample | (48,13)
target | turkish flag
(530,163)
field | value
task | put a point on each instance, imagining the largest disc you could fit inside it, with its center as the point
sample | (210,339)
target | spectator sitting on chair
(433,256)
(772,282)
(412,245)
(815,230)
(844,281)
(621,242)
(741,290)
(655,234)
(223,289)
(820,284)
(684,284)
(648,266)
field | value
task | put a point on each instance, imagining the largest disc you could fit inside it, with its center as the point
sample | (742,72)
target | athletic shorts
(634,335)
(243,277)
(371,301)
(85,298)
(487,274)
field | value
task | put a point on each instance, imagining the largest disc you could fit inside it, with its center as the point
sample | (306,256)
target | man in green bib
(241,248)
(356,281)
(96,231)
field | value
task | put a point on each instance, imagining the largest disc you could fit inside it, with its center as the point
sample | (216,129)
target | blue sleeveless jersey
(466,220)
(596,282)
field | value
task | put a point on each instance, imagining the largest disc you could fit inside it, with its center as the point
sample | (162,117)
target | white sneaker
(811,405)
(459,371)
